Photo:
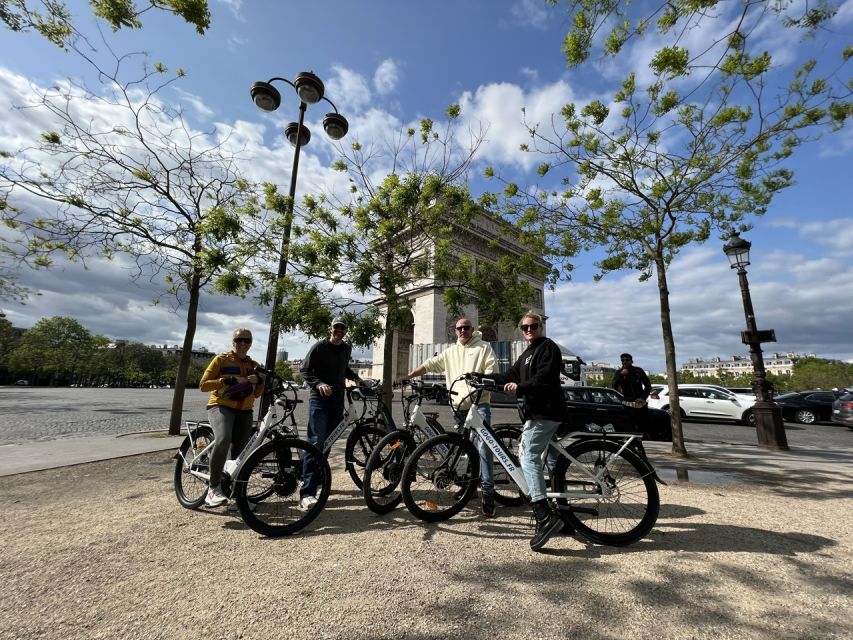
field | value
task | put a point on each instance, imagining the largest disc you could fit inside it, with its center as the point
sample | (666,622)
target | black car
(600,406)
(806,407)
(842,410)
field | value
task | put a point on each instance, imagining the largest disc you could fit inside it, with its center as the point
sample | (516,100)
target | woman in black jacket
(535,380)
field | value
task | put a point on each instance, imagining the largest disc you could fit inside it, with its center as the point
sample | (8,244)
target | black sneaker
(547,524)
(544,531)
(488,505)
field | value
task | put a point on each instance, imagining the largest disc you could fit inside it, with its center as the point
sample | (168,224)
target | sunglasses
(464,327)
(339,327)
(529,327)
(243,340)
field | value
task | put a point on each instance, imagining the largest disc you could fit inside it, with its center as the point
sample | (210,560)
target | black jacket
(329,363)
(634,386)
(537,372)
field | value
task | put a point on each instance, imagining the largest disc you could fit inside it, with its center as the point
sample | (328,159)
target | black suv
(600,406)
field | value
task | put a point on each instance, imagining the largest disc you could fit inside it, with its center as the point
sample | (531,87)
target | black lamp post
(769,426)
(310,89)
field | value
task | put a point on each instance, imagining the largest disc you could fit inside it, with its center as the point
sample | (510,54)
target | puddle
(683,474)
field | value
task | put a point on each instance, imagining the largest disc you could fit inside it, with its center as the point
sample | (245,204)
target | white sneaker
(307,503)
(215,498)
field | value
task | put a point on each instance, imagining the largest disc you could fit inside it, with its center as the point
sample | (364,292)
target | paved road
(29,414)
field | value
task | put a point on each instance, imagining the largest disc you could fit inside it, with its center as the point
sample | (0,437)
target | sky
(386,65)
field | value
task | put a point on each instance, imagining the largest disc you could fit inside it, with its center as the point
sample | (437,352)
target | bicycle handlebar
(477,381)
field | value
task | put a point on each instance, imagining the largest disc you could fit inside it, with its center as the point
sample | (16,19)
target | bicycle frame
(346,422)
(232,467)
(474,422)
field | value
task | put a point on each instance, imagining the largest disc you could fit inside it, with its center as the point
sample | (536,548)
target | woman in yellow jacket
(233,384)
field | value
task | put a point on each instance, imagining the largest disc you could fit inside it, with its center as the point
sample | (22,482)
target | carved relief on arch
(489,333)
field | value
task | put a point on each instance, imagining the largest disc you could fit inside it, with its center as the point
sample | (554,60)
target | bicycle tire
(189,489)
(507,492)
(278,465)
(437,482)
(384,471)
(360,443)
(618,521)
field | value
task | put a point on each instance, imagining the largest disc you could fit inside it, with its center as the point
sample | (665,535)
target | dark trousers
(638,417)
(324,414)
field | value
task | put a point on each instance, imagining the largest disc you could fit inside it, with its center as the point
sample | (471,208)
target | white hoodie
(475,357)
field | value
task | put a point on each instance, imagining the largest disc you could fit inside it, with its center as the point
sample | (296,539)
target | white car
(706,401)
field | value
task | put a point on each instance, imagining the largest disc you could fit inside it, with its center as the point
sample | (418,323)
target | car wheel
(748,418)
(805,416)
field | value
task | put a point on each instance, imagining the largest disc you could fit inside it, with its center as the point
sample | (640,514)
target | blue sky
(389,64)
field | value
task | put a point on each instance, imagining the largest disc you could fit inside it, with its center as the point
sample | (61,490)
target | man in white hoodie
(470,354)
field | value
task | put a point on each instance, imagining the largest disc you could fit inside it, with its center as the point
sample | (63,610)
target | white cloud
(236,43)
(600,320)
(836,235)
(844,15)
(236,7)
(532,75)
(195,102)
(386,77)
(349,91)
(532,13)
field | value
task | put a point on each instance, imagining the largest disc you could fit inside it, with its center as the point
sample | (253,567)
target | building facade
(775,363)
(432,325)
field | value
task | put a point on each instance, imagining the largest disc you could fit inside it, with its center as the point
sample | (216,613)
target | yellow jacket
(216,380)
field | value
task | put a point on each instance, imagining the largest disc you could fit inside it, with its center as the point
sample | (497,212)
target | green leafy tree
(52,19)
(140,182)
(53,349)
(8,341)
(363,256)
(698,147)
(284,370)
(818,373)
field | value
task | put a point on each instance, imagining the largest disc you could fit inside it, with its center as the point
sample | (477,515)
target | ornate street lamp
(309,88)
(769,426)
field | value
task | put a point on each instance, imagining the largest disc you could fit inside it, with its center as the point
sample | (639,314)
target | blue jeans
(487,466)
(324,414)
(534,440)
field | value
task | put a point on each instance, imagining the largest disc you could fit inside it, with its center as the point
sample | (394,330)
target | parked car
(807,407)
(748,397)
(842,410)
(600,406)
(706,401)
(22,383)
(743,391)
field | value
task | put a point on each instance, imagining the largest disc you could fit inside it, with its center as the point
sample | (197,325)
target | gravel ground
(103,550)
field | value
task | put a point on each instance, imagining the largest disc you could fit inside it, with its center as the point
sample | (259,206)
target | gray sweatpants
(231,429)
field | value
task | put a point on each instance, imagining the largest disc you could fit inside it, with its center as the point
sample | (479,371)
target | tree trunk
(388,362)
(678,448)
(186,358)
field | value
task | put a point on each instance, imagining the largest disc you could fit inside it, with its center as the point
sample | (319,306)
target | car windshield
(782,396)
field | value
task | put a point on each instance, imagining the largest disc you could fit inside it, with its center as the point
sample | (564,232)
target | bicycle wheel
(189,489)
(630,509)
(384,470)
(360,443)
(507,492)
(274,470)
(440,477)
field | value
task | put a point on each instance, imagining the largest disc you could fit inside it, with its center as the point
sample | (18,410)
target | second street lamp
(769,426)
(309,88)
